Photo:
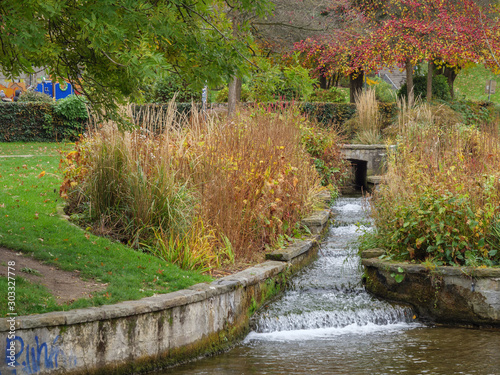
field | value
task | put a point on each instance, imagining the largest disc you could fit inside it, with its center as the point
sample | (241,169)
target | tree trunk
(451,74)
(234,88)
(409,83)
(430,72)
(232,96)
(355,85)
(323,82)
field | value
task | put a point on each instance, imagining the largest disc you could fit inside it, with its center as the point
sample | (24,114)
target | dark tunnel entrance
(359,174)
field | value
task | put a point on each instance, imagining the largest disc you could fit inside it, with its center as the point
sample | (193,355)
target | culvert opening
(359,174)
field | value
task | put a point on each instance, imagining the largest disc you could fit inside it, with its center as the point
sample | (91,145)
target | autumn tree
(443,32)
(377,34)
(338,52)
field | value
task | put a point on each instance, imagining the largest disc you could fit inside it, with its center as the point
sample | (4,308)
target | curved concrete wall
(154,332)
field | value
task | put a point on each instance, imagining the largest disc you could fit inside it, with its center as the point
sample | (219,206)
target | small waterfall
(327,299)
(326,324)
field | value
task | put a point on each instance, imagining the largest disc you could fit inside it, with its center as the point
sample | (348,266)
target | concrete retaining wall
(447,295)
(154,332)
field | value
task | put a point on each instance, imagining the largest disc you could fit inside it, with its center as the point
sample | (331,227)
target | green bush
(34,97)
(164,90)
(440,88)
(74,112)
(272,82)
(474,113)
(222,95)
(383,91)
(332,95)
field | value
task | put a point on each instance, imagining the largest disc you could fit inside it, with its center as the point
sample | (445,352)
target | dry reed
(367,119)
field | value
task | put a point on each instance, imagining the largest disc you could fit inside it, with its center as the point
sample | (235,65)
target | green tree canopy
(110,47)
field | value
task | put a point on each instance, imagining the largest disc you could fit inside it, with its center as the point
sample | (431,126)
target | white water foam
(331,332)
(349,207)
(350,229)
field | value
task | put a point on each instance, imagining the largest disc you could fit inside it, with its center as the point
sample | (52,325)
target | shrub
(476,112)
(440,88)
(383,90)
(74,112)
(332,95)
(31,96)
(272,82)
(166,88)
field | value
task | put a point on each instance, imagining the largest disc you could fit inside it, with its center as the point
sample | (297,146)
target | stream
(326,323)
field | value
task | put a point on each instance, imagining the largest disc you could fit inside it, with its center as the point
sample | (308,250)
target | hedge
(35,122)
(25,122)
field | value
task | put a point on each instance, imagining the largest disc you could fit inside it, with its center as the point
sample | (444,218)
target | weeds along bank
(440,202)
(203,191)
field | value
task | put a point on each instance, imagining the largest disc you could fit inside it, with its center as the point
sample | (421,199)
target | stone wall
(373,155)
(154,332)
(448,295)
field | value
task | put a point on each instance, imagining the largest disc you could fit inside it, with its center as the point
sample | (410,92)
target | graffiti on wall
(12,87)
(31,359)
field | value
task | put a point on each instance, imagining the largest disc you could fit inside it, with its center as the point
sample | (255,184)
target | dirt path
(65,286)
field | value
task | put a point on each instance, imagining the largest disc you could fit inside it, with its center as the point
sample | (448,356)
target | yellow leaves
(371,82)
(41,174)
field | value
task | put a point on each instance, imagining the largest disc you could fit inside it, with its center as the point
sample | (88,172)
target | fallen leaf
(41,174)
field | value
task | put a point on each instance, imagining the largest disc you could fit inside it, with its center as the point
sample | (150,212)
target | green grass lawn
(470,84)
(31,222)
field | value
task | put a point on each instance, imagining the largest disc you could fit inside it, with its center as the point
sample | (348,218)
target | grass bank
(31,222)
(471,82)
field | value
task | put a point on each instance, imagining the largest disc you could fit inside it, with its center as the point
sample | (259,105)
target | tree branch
(221,33)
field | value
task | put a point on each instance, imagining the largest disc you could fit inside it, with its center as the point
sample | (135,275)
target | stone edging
(353,146)
(465,296)
(153,332)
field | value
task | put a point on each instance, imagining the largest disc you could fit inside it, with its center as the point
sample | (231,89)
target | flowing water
(327,324)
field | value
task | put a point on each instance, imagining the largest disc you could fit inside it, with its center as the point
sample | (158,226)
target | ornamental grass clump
(255,178)
(367,121)
(197,191)
(127,185)
(441,196)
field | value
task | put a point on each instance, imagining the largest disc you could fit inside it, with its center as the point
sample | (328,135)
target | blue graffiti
(31,360)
